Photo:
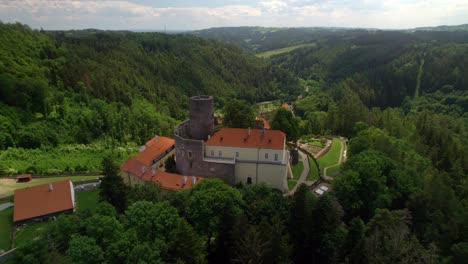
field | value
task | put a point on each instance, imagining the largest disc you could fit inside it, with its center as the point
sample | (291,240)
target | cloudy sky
(185,15)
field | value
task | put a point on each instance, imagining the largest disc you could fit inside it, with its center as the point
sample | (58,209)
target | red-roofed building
(43,201)
(236,155)
(148,165)
(156,151)
(24,178)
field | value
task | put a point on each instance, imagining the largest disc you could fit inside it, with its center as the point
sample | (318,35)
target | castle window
(249,180)
(237,154)
(220,153)
(266,155)
(190,154)
(212,153)
(276,157)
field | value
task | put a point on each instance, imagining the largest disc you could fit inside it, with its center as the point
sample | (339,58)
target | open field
(24,234)
(87,200)
(6,217)
(332,171)
(269,105)
(268,54)
(332,157)
(8,186)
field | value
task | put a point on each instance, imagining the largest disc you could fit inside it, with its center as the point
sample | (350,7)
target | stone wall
(190,161)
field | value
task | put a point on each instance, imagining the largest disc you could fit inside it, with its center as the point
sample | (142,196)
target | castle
(235,155)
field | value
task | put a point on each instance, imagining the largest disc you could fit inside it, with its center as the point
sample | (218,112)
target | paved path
(4,206)
(305,172)
(341,160)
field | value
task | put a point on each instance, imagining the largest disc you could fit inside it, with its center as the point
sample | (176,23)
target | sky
(191,15)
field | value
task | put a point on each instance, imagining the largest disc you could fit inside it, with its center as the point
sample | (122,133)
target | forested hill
(382,67)
(84,85)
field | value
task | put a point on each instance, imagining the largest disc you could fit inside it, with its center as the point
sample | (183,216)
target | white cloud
(274,6)
(132,14)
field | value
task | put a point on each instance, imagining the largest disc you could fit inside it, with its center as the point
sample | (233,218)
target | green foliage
(64,159)
(206,202)
(238,114)
(112,187)
(389,240)
(363,187)
(84,249)
(149,191)
(285,122)
(6,222)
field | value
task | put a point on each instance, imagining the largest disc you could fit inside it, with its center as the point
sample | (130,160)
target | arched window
(249,180)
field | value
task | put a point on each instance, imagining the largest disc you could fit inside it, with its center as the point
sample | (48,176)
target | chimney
(184,180)
(209,136)
(194,179)
(142,148)
(153,172)
(156,138)
(143,169)
(248,131)
(51,187)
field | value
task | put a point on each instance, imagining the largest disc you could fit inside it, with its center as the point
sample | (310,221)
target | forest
(113,89)
(400,97)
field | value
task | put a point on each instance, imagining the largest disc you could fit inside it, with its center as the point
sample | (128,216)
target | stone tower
(201,117)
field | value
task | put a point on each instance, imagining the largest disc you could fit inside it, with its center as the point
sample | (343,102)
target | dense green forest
(114,88)
(400,97)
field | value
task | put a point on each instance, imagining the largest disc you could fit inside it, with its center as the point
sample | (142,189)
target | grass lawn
(313,174)
(316,143)
(8,186)
(297,170)
(333,155)
(6,217)
(291,184)
(29,232)
(87,200)
(269,105)
(270,53)
(333,170)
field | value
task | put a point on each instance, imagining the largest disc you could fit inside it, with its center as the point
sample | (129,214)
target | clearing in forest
(269,53)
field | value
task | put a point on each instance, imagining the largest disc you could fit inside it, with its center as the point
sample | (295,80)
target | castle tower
(201,117)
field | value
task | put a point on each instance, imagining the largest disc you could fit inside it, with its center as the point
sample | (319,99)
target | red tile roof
(133,166)
(264,122)
(238,137)
(169,181)
(38,200)
(154,148)
(24,176)
(285,106)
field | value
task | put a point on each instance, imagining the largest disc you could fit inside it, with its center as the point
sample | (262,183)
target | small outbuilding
(24,178)
(40,202)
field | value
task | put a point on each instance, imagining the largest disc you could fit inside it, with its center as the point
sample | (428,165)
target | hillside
(111,90)
(87,85)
